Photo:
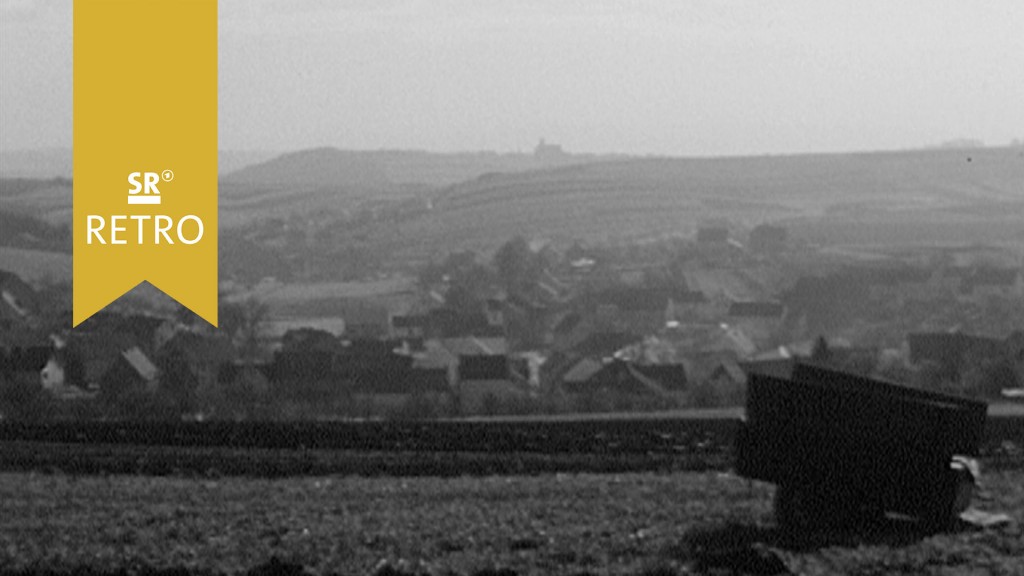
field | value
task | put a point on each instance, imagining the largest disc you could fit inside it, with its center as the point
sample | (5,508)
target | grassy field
(548,524)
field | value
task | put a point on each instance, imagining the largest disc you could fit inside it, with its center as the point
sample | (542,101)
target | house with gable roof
(624,381)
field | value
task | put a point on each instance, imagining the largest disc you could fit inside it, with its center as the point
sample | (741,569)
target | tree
(821,353)
(518,267)
(178,384)
(244,323)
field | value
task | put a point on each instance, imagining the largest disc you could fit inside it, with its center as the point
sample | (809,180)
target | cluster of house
(954,353)
(108,348)
(620,343)
(458,369)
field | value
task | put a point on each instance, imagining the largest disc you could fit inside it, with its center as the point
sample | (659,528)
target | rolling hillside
(328,167)
(642,197)
(312,169)
(331,180)
(45,199)
(967,195)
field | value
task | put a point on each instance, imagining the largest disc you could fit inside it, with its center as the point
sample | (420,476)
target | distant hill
(261,184)
(311,170)
(307,181)
(47,199)
(331,167)
(586,197)
(641,197)
(331,180)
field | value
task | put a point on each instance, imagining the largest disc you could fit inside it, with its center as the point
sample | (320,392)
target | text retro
(144,228)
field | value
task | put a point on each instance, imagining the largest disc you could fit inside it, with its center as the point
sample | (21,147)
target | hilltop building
(549,152)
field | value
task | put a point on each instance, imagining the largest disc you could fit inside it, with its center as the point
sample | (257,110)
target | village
(666,324)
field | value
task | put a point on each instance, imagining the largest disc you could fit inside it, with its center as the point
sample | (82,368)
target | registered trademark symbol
(167,175)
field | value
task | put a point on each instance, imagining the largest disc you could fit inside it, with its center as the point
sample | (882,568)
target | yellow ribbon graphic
(145,151)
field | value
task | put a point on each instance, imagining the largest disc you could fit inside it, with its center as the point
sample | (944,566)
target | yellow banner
(145,151)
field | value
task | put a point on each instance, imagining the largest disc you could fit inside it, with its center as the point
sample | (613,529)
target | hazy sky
(709,77)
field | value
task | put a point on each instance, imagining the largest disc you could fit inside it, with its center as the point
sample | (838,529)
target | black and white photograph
(608,287)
